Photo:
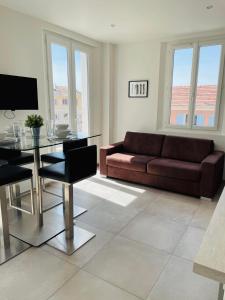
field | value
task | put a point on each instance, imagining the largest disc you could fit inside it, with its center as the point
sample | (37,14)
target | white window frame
(71,46)
(196,44)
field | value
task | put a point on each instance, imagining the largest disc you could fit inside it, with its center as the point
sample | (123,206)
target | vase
(35,132)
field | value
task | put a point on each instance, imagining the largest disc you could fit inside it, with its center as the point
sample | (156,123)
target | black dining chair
(10,175)
(79,164)
(56,157)
(16,158)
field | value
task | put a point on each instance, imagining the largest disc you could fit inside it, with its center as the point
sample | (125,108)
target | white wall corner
(108,90)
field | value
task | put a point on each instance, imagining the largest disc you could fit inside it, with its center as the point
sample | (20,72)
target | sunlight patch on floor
(107,193)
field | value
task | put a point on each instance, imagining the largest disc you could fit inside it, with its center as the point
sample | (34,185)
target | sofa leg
(206,198)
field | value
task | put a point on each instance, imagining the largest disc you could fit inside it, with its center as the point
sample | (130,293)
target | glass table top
(27,143)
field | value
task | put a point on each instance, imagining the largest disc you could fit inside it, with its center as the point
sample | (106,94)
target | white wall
(22,52)
(135,62)
(108,92)
(146,61)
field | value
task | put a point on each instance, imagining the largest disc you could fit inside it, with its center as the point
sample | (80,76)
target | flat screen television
(18,93)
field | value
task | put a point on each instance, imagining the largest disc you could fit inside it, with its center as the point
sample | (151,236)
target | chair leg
(221,292)
(43,180)
(18,208)
(4,223)
(32,196)
(9,245)
(18,198)
(17,193)
(73,237)
(63,195)
(69,211)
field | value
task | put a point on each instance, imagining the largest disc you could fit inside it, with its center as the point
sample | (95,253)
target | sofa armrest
(107,150)
(212,174)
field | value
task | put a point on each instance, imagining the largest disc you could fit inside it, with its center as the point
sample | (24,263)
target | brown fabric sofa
(184,165)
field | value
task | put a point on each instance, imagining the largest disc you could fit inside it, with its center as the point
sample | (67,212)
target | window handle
(186,118)
(195,120)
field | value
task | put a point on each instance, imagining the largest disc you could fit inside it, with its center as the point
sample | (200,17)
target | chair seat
(53,158)
(129,161)
(10,174)
(55,172)
(22,159)
(175,169)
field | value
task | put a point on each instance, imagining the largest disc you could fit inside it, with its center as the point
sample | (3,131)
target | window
(59,56)
(81,76)
(194,86)
(68,71)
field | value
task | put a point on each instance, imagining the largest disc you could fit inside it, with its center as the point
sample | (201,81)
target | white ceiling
(135,20)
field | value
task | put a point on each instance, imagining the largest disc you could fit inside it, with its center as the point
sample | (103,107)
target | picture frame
(138,89)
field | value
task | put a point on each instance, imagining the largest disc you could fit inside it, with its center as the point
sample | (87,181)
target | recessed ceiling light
(209,6)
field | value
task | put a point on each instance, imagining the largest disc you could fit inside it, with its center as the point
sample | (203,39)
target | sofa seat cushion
(129,161)
(175,169)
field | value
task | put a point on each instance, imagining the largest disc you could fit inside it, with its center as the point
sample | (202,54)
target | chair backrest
(9,153)
(81,163)
(74,144)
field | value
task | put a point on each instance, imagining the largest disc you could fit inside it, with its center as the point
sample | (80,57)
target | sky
(59,64)
(209,61)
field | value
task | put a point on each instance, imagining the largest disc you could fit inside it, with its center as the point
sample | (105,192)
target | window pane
(81,61)
(207,84)
(60,83)
(180,119)
(181,86)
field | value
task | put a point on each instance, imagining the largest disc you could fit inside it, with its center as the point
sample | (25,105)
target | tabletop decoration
(34,122)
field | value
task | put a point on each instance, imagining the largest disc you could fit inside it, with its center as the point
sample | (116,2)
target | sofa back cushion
(186,149)
(143,143)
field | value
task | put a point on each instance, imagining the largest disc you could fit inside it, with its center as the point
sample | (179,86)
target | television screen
(18,93)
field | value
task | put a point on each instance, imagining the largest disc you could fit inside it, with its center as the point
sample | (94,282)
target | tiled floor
(145,242)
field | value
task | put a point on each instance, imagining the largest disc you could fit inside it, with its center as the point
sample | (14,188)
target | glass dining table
(36,232)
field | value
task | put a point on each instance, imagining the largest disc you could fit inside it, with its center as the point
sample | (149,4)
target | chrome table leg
(4,218)
(38,209)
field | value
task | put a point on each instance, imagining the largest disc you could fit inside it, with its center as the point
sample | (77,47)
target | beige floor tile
(178,281)
(176,196)
(108,216)
(84,286)
(83,194)
(85,253)
(85,198)
(190,243)
(154,230)
(53,187)
(203,214)
(35,275)
(179,209)
(129,265)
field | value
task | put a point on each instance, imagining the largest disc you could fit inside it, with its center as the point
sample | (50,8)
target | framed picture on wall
(138,89)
